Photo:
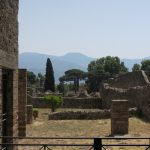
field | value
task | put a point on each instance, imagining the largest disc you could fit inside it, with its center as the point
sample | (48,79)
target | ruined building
(9,68)
(133,86)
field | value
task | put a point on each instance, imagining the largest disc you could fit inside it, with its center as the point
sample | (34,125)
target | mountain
(36,62)
(130,62)
(77,58)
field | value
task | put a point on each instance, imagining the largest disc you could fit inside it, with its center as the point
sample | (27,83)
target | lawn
(82,128)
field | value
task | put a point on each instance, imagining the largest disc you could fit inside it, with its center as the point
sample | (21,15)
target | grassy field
(82,128)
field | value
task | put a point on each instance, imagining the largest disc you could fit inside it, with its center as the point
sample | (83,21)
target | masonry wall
(9,33)
(125,81)
(22,102)
(0,100)
(9,58)
(70,102)
(138,96)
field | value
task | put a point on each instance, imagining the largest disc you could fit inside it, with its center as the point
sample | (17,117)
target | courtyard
(42,127)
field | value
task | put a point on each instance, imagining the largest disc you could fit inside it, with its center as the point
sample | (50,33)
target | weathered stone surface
(22,102)
(9,33)
(131,87)
(81,115)
(68,102)
(87,115)
(9,65)
(29,114)
(119,117)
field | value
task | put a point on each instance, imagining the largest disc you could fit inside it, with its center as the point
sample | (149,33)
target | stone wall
(137,96)
(86,114)
(125,81)
(9,63)
(81,115)
(9,33)
(68,102)
(22,102)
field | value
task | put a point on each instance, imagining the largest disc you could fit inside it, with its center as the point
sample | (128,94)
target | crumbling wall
(138,96)
(125,81)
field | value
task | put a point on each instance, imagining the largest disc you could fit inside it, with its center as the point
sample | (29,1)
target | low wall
(82,103)
(86,115)
(81,115)
(68,102)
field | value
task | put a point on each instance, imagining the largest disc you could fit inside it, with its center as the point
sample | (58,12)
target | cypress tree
(49,77)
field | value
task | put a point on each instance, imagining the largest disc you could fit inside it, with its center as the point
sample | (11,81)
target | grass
(83,128)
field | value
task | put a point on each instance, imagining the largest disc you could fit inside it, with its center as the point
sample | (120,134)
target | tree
(53,101)
(60,87)
(136,67)
(102,69)
(145,65)
(41,79)
(49,77)
(74,75)
(31,78)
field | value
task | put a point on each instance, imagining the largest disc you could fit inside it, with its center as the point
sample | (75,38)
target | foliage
(102,69)
(60,87)
(73,75)
(53,101)
(41,79)
(49,77)
(35,113)
(145,65)
(136,67)
(31,77)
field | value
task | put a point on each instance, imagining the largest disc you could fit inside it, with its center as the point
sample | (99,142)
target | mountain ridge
(36,62)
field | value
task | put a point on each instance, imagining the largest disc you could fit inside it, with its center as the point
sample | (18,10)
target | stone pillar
(0,104)
(29,114)
(119,117)
(22,102)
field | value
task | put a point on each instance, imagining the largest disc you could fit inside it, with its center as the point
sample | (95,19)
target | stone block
(119,117)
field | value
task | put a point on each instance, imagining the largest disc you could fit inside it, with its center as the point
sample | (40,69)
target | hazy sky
(93,27)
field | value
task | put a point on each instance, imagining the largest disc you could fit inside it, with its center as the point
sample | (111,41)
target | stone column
(22,101)
(119,117)
(29,114)
(0,104)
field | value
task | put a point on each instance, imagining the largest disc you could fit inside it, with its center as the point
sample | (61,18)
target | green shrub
(53,101)
(35,113)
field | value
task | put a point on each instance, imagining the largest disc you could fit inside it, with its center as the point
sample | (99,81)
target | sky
(96,28)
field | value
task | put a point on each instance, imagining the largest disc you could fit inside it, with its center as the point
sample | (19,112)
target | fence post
(97,144)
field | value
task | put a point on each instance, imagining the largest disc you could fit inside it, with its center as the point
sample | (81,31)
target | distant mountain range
(36,62)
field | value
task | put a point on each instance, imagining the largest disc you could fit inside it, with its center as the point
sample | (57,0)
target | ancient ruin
(9,68)
(22,97)
(119,117)
(133,86)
